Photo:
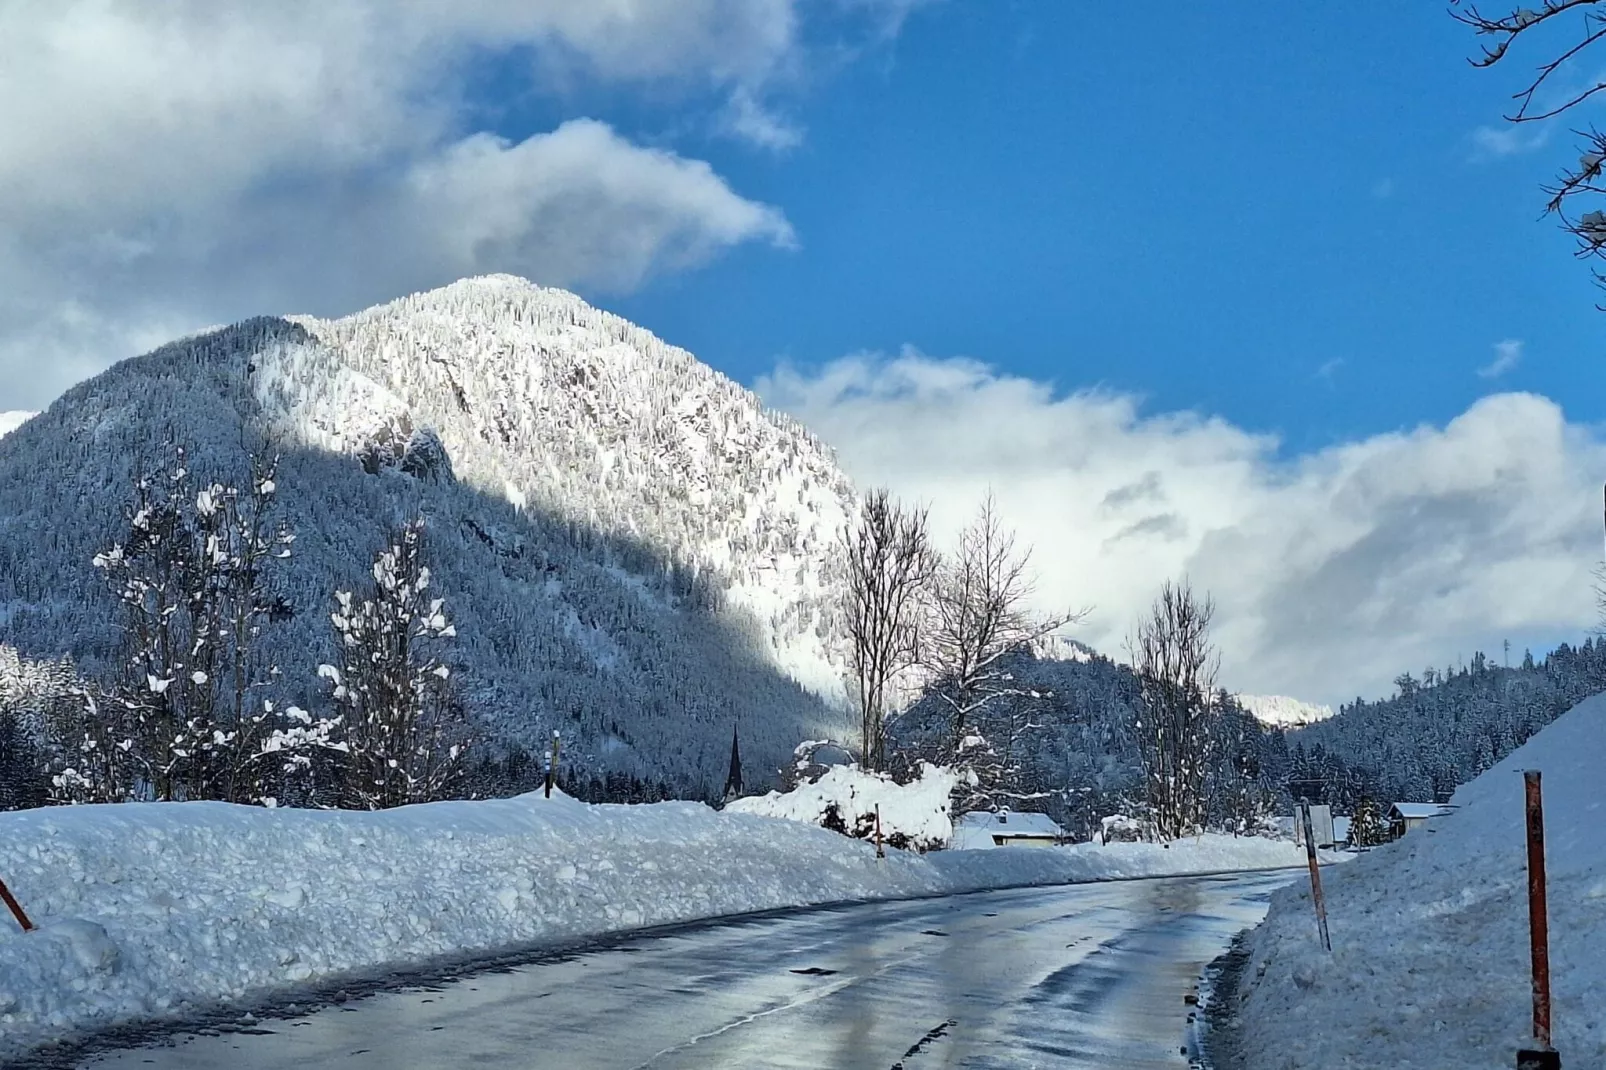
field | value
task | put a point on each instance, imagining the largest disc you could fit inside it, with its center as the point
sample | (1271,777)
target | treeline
(1441,729)
(1081,760)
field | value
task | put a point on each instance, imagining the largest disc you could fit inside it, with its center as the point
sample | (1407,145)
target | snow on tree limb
(1588,227)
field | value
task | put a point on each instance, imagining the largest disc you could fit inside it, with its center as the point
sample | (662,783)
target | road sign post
(1315,876)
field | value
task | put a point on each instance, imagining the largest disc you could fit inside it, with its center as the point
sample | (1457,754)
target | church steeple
(733,782)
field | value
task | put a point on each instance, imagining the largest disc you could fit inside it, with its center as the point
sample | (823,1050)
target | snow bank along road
(168,910)
(1069,977)
(1429,968)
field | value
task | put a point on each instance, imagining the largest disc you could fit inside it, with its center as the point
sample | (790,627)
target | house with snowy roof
(1005,828)
(1405,816)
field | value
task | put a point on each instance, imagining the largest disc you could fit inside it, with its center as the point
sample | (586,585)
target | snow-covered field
(1429,967)
(144,908)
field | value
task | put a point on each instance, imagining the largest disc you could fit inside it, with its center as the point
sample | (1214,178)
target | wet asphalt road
(1070,977)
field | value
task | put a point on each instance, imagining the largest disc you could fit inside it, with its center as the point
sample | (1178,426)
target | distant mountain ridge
(1280,711)
(634,550)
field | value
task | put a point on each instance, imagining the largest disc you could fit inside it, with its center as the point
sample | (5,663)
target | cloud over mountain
(166,166)
(1333,571)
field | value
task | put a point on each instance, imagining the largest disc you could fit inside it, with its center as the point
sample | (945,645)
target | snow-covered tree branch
(187,717)
(405,733)
(1565,31)
(979,616)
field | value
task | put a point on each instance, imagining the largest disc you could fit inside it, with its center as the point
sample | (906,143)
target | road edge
(292,1001)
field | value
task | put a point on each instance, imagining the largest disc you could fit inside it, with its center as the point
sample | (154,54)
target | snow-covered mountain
(10,421)
(1280,711)
(634,550)
(549,403)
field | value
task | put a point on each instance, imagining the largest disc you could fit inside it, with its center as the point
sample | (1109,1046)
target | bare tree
(1600,601)
(1600,578)
(889,564)
(978,617)
(1176,670)
(1567,29)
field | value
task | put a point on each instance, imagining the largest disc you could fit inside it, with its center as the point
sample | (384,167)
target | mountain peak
(499,282)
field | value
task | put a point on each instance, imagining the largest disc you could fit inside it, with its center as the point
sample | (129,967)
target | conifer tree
(1366,826)
(733,781)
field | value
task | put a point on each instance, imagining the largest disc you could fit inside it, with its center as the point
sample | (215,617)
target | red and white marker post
(1541,1056)
(16,909)
(1315,876)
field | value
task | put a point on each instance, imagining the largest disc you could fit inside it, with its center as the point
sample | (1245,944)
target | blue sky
(1288,221)
(1201,290)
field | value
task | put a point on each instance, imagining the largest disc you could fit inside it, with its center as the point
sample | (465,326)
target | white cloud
(193,161)
(1333,571)
(750,120)
(10,421)
(1493,142)
(1507,355)
(581,204)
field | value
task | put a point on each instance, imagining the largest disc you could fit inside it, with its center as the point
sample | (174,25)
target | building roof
(1008,823)
(1417,811)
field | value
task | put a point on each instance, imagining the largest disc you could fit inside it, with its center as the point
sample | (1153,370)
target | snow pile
(1280,711)
(1119,828)
(144,908)
(846,798)
(1430,934)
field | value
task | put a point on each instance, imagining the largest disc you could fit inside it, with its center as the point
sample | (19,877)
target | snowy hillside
(1280,711)
(543,400)
(633,549)
(10,421)
(1429,967)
